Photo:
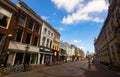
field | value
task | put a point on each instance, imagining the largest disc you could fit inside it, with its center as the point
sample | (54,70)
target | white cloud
(95,6)
(60,29)
(44,17)
(83,12)
(68,5)
(97,19)
(77,41)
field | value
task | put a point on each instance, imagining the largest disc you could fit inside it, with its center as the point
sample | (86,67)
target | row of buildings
(26,38)
(70,52)
(107,44)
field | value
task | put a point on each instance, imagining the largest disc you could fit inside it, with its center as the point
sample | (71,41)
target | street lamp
(26,50)
(24,57)
(88,56)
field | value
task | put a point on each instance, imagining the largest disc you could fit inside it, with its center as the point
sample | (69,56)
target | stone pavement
(68,69)
(96,70)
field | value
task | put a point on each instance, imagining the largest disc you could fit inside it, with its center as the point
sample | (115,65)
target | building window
(19,35)
(31,23)
(37,28)
(3,20)
(118,48)
(47,43)
(48,32)
(118,14)
(45,30)
(22,19)
(51,44)
(4,17)
(1,38)
(28,38)
(1,35)
(43,41)
(52,34)
(35,40)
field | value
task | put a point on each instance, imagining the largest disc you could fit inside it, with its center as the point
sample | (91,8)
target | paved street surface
(71,69)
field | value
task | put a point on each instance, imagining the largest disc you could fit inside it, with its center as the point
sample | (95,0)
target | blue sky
(78,21)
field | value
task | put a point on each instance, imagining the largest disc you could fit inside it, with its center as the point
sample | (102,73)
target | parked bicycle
(17,68)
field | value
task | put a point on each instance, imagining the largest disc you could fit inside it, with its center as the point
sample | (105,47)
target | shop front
(19,54)
(16,57)
(56,56)
(45,55)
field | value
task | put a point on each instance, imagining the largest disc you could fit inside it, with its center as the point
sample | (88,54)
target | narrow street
(71,69)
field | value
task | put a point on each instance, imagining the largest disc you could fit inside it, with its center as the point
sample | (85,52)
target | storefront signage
(46,49)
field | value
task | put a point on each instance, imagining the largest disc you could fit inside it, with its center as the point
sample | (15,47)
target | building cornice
(29,11)
(9,4)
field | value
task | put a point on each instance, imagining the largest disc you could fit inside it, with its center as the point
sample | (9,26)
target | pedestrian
(89,64)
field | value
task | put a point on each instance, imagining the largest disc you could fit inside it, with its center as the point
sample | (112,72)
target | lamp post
(24,57)
(26,50)
(88,56)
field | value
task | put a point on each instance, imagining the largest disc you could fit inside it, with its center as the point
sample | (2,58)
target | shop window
(34,59)
(28,38)
(19,57)
(31,23)
(22,19)
(19,35)
(35,40)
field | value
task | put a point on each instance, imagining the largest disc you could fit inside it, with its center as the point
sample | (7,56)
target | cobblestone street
(72,69)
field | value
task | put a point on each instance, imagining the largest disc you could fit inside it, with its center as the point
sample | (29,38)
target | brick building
(8,12)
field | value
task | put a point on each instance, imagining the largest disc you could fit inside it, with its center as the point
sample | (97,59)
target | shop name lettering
(46,49)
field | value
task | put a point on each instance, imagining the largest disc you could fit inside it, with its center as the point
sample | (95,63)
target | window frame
(29,25)
(19,35)
(8,15)
(36,44)
(27,37)
(37,28)
(21,20)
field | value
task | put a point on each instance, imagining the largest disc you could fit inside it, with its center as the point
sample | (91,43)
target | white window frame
(6,13)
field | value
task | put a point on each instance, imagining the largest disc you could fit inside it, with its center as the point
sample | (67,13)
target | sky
(78,21)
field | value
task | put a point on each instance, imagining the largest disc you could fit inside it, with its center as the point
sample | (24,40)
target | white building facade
(46,43)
